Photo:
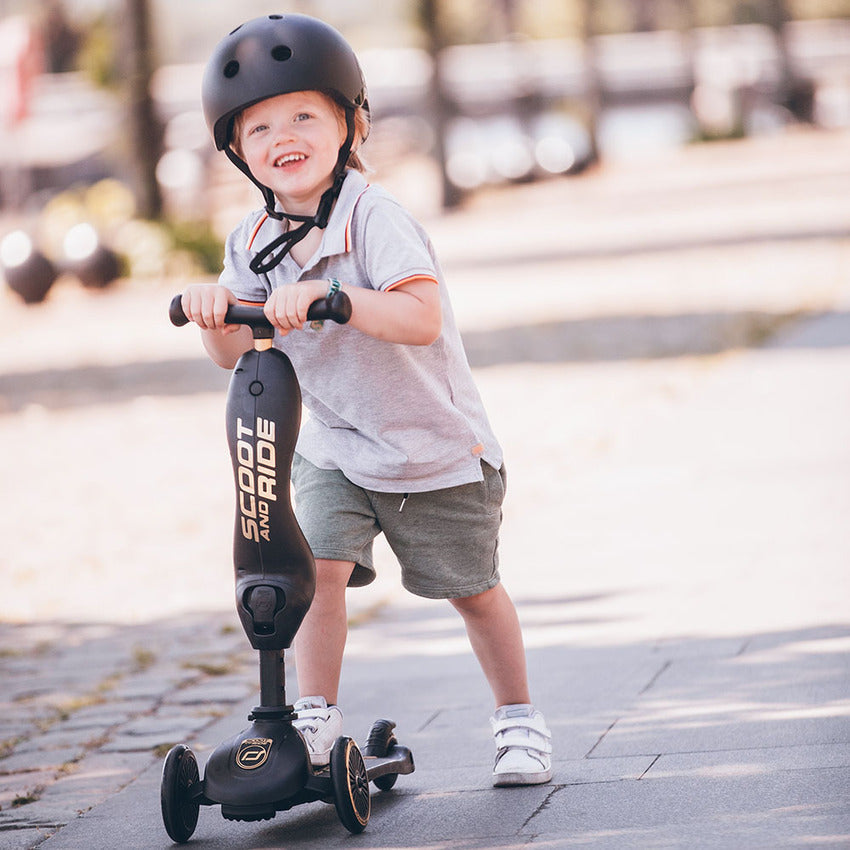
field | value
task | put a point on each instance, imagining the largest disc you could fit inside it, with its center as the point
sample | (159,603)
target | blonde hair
(362,123)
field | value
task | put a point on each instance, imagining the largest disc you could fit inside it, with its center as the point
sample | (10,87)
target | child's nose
(285,133)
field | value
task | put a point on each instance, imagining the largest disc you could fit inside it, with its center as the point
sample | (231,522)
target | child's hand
(286,308)
(206,305)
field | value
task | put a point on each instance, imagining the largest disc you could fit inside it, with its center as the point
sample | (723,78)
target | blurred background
(106,168)
(621,192)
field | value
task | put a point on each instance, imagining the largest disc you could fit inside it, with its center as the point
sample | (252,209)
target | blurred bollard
(95,265)
(27,271)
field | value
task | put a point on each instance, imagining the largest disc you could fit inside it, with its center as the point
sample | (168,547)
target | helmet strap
(273,254)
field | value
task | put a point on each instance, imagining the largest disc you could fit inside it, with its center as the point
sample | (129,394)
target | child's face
(291,143)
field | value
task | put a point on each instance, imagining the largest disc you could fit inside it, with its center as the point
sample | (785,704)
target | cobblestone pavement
(594,310)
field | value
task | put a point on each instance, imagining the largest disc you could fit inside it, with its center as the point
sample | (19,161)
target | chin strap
(280,246)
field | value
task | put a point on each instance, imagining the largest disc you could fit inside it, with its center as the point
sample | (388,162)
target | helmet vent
(275,17)
(231,69)
(281,53)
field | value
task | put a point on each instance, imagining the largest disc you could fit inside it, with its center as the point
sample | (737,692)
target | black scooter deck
(399,762)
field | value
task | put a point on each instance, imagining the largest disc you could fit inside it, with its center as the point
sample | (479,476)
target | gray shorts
(447,541)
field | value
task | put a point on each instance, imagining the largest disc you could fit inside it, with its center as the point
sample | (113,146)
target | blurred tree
(507,12)
(144,127)
(644,15)
(61,39)
(431,23)
(593,85)
(794,93)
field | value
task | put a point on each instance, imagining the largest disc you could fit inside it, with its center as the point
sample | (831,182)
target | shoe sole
(320,759)
(504,780)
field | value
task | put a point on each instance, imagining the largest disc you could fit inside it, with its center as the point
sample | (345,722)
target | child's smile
(290,159)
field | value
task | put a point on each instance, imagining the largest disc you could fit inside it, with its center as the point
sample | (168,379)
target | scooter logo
(256,477)
(253,753)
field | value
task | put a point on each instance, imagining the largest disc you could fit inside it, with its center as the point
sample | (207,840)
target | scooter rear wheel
(179,811)
(351,785)
(379,744)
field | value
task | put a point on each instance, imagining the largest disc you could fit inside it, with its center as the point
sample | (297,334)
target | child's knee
(479,602)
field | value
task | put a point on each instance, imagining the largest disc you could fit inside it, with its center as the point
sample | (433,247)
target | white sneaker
(320,724)
(523,746)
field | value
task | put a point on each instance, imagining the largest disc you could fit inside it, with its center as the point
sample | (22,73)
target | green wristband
(335,286)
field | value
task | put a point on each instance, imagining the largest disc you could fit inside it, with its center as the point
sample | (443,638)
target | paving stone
(210,691)
(56,738)
(11,731)
(142,744)
(24,837)
(770,698)
(19,692)
(150,732)
(741,763)
(34,757)
(144,691)
(775,809)
(474,776)
(92,780)
(99,721)
(676,649)
(156,724)
(22,786)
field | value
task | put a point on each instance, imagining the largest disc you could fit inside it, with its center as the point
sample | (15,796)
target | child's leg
(523,743)
(494,632)
(320,641)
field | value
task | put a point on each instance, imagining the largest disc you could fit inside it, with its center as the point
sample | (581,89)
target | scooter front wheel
(179,811)
(350,784)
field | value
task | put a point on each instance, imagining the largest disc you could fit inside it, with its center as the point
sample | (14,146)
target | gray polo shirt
(394,418)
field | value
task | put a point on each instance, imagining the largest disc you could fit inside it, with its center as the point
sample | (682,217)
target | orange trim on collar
(348,244)
(410,279)
(348,225)
(255,231)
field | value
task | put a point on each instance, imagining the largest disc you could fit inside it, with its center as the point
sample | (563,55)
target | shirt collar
(336,238)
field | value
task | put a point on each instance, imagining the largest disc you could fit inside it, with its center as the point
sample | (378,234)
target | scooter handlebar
(336,308)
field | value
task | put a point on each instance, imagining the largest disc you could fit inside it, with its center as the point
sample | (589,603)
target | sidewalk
(675,417)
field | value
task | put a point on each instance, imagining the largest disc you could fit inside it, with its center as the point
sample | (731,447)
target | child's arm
(410,314)
(206,305)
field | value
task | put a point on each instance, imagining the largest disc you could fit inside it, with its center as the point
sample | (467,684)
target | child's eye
(303,116)
(257,128)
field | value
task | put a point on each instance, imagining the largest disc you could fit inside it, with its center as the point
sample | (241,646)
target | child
(397,440)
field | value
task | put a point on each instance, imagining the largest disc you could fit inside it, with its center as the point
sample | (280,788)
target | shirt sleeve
(396,248)
(236,274)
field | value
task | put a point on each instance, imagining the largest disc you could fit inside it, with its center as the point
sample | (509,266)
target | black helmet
(277,54)
(270,56)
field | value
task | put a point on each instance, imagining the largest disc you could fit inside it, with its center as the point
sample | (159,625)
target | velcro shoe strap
(535,724)
(539,756)
(524,732)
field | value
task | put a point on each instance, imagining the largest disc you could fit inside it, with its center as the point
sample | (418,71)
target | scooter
(266,768)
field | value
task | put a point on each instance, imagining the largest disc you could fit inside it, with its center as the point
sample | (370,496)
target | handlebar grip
(337,309)
(175,312)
